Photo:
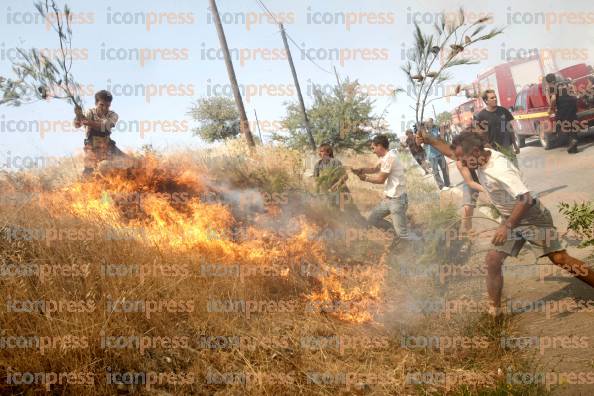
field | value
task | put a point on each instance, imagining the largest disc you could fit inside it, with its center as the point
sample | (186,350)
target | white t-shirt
(395,184)
(502,181)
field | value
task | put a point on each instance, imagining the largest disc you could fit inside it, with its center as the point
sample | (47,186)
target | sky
(158,57)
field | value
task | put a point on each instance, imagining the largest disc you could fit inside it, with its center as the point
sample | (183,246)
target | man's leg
(419,160)
(398,207)
(469,198)
(467,219)
(573,143)
(376,217)
(494,262)
(443,164)
(572,265)
(435,167)
(90,161)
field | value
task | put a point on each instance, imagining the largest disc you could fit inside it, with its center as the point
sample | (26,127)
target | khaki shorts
(542,235)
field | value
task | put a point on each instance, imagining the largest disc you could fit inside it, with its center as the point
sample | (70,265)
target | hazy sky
(181,60)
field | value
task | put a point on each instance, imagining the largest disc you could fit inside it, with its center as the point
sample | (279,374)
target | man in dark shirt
(495,122)
(564,104)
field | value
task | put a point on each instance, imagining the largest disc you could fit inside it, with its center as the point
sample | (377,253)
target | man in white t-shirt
(524,218)
(389,172)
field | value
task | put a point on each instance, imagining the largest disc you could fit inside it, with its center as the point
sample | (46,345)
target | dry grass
(276,354)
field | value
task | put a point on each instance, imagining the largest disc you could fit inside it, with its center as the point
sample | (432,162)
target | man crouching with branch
(525,219)
(98,122)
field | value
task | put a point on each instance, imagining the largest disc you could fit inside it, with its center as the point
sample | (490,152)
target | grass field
(220,272)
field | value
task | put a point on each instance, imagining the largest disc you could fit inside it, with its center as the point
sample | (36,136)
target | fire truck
(518,85)
(531,108)
(506,80)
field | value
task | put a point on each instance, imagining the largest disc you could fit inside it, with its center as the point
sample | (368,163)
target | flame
(196,225)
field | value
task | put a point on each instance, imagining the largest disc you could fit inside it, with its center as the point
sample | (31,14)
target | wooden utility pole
(244,125)
(258,125)
(312,142)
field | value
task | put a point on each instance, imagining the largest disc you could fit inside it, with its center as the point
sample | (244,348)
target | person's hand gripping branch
(424,137)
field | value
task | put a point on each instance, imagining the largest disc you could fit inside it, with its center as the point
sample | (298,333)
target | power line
(262,5)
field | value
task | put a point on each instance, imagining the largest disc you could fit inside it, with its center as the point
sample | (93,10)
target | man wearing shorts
(524,219)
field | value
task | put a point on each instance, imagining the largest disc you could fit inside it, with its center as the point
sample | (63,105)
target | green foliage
(342,118)
(581,220)
(218,118)
(328,177)
(37,77)
(445,46)
(443,118)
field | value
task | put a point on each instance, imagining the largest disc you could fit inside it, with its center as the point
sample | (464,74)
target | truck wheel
(520,140)
(546,140)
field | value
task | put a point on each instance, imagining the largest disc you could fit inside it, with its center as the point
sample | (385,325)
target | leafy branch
(37,77)
(581,220)
(431,47)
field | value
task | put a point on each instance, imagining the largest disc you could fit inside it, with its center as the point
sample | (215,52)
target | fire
(166,201)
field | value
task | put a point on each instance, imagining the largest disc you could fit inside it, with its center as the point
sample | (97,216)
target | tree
(37,76)
(449,42)
(343,118)
(218,118)
(443,118)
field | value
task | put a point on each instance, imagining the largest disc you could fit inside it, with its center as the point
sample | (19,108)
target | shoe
(573,149)
(445,188)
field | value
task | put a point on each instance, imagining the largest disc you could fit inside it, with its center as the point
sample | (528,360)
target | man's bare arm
(513,137)
(364,171)
(378,178)
(440,145)
(465,172)
(522,205)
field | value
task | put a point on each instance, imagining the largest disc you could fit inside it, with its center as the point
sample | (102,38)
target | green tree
(443,118)
(217,117)
(344,118)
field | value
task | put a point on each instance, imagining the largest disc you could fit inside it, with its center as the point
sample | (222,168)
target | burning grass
(198,274)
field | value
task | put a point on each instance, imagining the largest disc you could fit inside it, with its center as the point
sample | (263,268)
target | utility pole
(258,124)
(244,125)
(312,142)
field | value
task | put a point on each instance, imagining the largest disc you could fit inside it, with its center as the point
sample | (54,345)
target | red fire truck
(531,108)
(518,85)
(507,80)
